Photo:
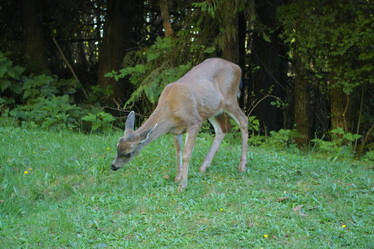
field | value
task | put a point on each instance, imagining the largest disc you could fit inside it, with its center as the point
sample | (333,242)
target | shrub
(45,101)
(340,145)
(369,156)
(10,81)
(54,113)
(100,121)
(281,139)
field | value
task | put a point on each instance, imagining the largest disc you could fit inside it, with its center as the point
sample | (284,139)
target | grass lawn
(57,191)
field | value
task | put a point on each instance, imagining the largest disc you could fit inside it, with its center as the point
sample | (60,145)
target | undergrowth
(46,101)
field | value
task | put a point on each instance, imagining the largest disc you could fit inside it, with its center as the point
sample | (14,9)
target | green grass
(71,199)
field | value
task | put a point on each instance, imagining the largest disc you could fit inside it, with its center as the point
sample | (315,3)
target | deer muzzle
(114,167)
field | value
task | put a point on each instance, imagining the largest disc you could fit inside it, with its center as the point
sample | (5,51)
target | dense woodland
(308,65)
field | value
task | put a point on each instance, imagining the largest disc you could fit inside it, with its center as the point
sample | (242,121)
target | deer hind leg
(221,125)
(238,115)
(192,132)
(178,147)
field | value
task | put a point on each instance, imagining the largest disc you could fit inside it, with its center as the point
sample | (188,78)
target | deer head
(131,143)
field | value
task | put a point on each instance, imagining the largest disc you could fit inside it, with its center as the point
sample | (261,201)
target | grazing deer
(207,91)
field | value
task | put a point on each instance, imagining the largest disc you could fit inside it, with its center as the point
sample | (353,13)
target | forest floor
(57,191)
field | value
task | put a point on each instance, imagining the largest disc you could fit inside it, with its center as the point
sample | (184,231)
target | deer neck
(162,128)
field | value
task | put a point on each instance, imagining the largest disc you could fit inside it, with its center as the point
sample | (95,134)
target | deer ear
(149,133)
(129,125)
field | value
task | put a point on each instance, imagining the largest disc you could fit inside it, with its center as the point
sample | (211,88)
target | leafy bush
(253,125)
(340,145)
(281,139)
(256,140)
(10,80)
(369,156)
(100,121)
(44,101)
(47,86)
(58,113)
(55,113)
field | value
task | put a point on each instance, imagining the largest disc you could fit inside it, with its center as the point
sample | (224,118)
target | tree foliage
(334,40)
(316,56)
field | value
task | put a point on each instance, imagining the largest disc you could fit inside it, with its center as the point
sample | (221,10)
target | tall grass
(57,191)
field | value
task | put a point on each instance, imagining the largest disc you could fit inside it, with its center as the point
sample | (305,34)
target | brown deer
(206,92)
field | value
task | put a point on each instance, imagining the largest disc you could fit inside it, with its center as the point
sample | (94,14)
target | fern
(154,72)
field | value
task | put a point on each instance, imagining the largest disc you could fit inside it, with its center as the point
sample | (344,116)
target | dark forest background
(308,65)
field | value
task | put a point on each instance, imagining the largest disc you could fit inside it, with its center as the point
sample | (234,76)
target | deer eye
(128,155)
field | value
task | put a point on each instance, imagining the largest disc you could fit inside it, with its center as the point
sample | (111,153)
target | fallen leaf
(297,208)
(280,199)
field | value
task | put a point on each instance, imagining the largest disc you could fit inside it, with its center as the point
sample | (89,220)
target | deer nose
(114,167)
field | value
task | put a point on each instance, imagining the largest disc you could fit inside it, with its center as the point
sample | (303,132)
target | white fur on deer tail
(238,94)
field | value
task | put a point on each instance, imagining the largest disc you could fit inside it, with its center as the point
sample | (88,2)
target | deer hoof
(180,189)
(242,168)
(177,179)
(182,186)
(202,170)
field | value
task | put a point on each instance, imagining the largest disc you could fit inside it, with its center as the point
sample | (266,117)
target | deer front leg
(178,148)
(188,148)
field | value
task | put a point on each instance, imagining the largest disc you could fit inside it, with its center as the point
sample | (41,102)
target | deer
(209,91)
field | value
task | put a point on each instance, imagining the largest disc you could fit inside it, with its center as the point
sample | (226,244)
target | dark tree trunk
(242,27)
(120,34)
(337,108)
(301,118)
(34,54)
(166,18)
(268,53)
(301,103)
(230,49)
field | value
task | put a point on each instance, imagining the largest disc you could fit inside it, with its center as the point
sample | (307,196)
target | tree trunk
(338,108)
(34,54)
(242,27)
(120,33)
(268,52)
(166,18)
(111,53)
(301,103)
(230,49)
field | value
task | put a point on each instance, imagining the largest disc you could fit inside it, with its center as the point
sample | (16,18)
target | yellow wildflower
(344,226)
(221,209)
(265,236)
(108,148)
(25,172)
